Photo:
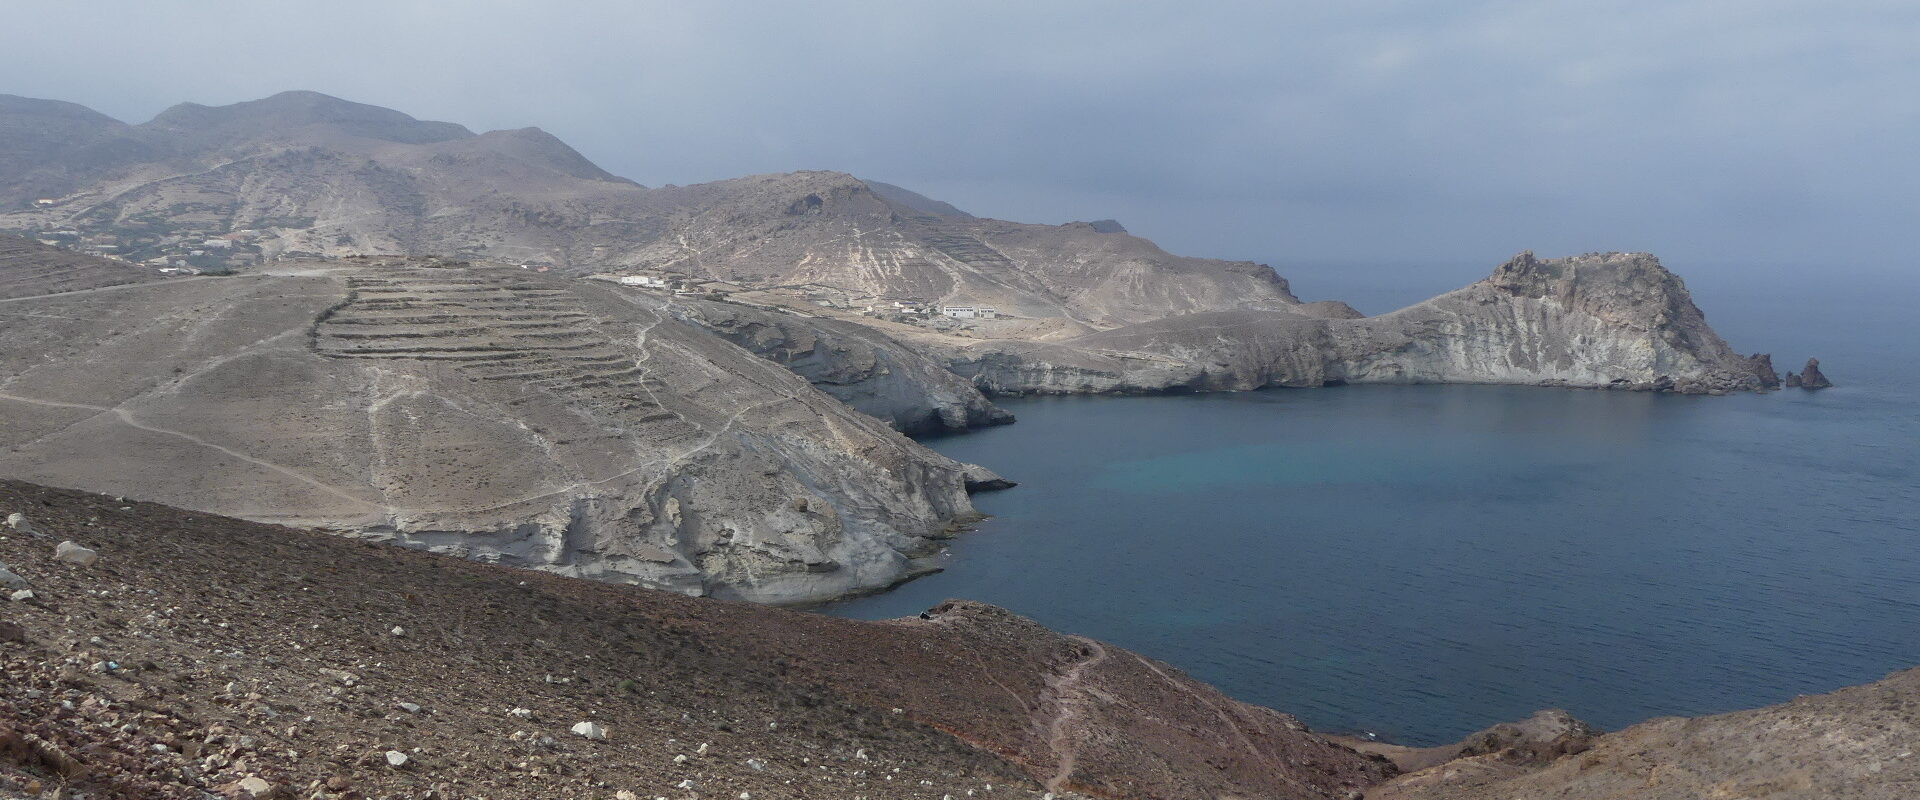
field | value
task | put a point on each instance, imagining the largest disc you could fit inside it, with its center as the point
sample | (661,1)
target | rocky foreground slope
(1859,743)
(576,427)
(205,654)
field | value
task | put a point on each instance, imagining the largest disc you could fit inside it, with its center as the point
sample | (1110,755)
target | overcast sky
(1710,131)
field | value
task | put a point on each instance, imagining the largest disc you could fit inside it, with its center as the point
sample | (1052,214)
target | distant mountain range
(305,174)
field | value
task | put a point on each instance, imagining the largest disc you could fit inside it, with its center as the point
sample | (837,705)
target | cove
(1424,561)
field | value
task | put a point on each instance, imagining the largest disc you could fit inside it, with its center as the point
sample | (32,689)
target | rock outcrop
(1854,743)
(1809,378)
(1614,320)
(508,416)
(861,366)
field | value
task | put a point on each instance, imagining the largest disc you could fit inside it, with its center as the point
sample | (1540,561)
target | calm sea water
(1424,561)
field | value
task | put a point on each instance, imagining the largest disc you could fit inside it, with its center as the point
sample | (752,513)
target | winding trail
(1069,699)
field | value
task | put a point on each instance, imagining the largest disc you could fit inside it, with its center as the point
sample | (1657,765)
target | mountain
(301,173)
(573,426)
(201,654)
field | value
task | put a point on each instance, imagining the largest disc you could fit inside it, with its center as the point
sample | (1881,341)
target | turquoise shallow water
(1424,561)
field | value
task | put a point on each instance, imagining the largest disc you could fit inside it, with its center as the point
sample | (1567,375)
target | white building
(970,312)
(648,281)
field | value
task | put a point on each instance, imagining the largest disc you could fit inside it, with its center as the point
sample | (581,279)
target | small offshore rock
(73,553)
(1812,377)
(590,730)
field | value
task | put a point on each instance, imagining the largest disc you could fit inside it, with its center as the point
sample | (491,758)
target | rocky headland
(1610,320)
(575,427)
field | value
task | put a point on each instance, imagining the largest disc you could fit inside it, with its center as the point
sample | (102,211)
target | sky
(1719,132)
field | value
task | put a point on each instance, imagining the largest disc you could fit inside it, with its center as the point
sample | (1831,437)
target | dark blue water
(1425,561)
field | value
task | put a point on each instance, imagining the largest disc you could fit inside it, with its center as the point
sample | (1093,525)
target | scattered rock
(399,631)
(411,708)
(10,632)
(9,580)
(21,596)
(590,730)
(397,759)
(73,553)
(18,522)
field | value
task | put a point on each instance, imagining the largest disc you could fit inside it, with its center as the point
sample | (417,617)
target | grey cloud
(1759,129)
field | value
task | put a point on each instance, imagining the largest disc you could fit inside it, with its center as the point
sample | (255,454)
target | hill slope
(568,425)
(243,650)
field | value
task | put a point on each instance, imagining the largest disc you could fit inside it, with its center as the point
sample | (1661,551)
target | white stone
(18,522)
(399,631)
(256,786)
(74,553)
(21,596)
(396,758)
(522,713)
(590,730)
(411,708)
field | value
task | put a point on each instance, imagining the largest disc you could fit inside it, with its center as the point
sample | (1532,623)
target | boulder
(73,553)
(9,580)
(590,730)
(981,479)
(18,522)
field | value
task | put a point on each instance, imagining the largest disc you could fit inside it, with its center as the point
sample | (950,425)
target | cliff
(860,366)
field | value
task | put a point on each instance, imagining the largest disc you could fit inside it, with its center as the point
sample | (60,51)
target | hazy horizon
(1709,133)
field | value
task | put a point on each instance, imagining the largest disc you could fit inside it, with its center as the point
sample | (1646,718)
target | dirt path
(1068,699)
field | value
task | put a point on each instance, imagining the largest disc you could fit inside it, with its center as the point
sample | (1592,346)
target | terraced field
(29,269)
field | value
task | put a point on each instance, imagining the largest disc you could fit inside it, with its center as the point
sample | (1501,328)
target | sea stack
(1762,364)
(1812,377)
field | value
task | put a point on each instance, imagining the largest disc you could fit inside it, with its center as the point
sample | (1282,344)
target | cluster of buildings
(182,252)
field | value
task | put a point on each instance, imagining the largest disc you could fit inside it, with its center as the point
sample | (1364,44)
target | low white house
(643,280)
(970,312)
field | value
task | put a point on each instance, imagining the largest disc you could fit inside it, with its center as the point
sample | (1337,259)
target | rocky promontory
(500,414)
(1611,320)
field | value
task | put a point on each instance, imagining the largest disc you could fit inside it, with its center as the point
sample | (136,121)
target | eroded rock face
(1615,320)
(497,414)
(860,366)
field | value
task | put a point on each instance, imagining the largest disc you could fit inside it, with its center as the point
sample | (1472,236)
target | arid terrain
(199,651)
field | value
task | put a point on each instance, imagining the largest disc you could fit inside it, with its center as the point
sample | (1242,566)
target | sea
(1419,562)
